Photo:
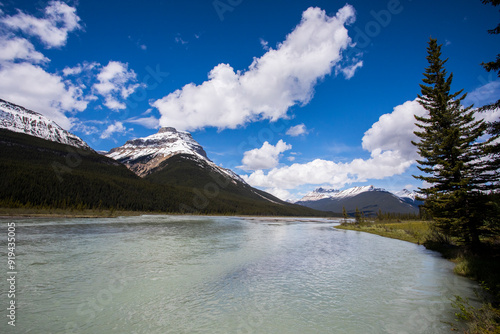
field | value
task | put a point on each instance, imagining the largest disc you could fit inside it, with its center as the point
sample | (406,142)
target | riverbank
(65,213)
(482,266)
(88,213)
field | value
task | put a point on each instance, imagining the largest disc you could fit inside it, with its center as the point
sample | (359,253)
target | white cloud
(52,29)
(394,131)
(273,83)
(34,88)
(297,130)
(116,83)
(77,70)
(84,128)
(486,94)
(22,80)
(15,48)
(349,70)
(264,44)
(150,122)
(280,193)
(265,157)
(113,128)
(388,140)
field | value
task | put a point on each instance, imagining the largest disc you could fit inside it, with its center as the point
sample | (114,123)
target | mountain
(40,169)
(172,157)
(145,155)
(19,119)
(367,199)
(408,196)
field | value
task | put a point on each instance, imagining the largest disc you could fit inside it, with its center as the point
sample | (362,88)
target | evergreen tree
(344,213)
(357,216)
(450,154)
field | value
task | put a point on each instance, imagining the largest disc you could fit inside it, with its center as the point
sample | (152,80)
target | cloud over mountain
(391,153)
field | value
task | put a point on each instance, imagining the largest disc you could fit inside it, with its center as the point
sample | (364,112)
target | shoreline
(21,213)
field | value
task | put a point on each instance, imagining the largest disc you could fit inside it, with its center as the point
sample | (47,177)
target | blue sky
(291,95)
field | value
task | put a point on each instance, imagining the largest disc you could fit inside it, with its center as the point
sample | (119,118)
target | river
(191,274)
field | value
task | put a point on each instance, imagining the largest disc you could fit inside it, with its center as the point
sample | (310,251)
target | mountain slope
(38,172)
(172,157)
(46,174)
(367,199)
(19,119)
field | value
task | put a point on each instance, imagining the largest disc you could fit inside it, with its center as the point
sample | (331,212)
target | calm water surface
(171,274)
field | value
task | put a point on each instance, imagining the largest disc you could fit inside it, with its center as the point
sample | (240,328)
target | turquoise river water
(186,274)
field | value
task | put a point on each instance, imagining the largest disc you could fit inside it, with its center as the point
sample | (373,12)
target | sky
(291,95)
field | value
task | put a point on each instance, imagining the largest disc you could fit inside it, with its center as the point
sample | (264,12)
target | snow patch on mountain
(143,155)
(19,119)
(166,143)
(322,193)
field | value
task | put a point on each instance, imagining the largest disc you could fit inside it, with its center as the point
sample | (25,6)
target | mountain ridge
(145,155)
(16,118)
(367,199)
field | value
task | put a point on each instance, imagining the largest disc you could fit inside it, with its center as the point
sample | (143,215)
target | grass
(412,231)
(482,266)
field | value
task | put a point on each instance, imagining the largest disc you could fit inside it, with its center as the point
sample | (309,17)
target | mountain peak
(167,129)
(142,155)
(19,119)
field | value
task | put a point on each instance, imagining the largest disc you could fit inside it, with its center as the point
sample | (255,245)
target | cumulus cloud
(52,29)
(265,157)
(391,153)
(16,48)
(281,78)
(34,88)
(113,128)
(22,80)
(394,131)
(116,83)
(297,130)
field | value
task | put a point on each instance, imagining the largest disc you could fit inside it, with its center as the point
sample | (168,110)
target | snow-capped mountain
(366,198)
(144,155)
(19,119)
(322,193)
(407,195)
(166,143)
(319,193)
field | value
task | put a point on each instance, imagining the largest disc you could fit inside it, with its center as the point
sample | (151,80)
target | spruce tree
(357,216)
(344,214)
(450,153)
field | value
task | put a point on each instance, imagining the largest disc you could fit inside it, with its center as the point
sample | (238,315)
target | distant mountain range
(45,166)
(367,199)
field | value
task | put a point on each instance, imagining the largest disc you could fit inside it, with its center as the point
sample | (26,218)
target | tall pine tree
(450,154)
